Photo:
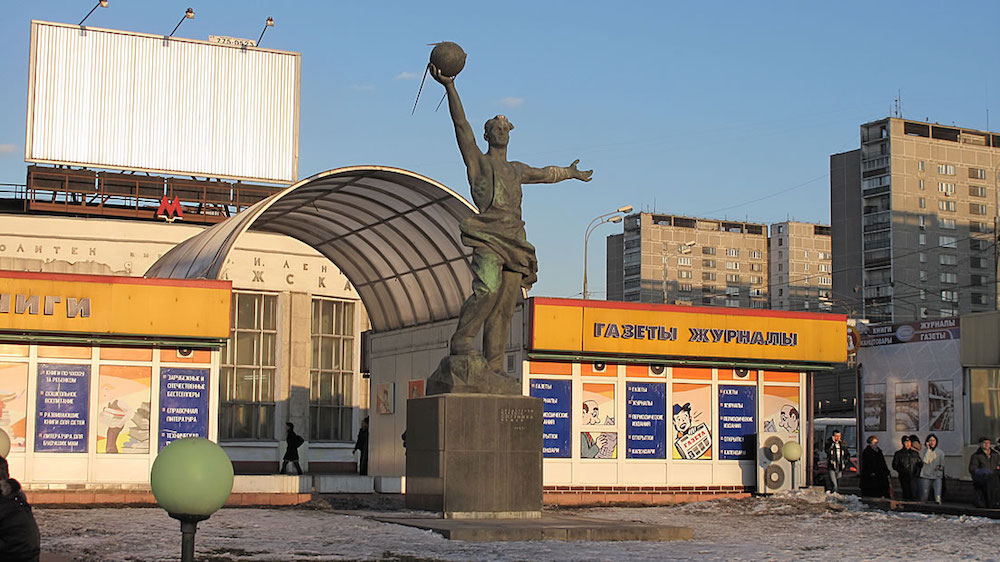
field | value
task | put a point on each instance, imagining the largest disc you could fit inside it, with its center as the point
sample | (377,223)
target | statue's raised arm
(463,131)
(554,174)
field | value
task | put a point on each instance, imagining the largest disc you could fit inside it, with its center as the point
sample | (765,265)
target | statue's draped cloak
(498,227)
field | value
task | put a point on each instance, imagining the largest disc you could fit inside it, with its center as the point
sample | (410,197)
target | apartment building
(925,198)
(800,263)
(688,261)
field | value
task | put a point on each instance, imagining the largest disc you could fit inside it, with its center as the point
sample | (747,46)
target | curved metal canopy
(393,233)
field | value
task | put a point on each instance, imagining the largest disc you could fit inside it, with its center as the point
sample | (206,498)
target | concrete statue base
(474,455)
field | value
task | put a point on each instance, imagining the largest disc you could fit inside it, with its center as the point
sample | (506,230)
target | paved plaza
(802,526)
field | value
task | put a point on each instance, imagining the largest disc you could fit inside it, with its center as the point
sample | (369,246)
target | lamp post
(793,452)
(191,479)
(100,4)
(188,15)
(267,24)
(612,217)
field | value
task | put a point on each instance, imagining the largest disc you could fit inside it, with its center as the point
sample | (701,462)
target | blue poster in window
(62,408)
(737,422)
(183,404)
(556,403)
(645,432)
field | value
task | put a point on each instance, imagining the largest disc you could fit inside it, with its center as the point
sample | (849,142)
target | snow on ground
(806,525)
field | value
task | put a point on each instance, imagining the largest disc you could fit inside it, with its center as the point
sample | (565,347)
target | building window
(976,209)
(781,292)
(978,263)
(946,206)
(977,191)
(923,257)
(781,241)
(949,296)
(977,280)
(979,298)
(708,263)
(947,241)
(684,261)
(923,275)
(946,169)
(949,278)
(708,250)
(948,224)
(976,244)
(921,222)
(805,267)
(757,292)
(923,294)
(331,391)
(824,268)
(826,281)
(922,239)
(975,226)
(948,312)
(781,267)
(732,265)
(781,228)
(684,274)
(246,373)
(949,259)
(921,165)
(732,278)
(921,184)
(756,267)
(977,174)
(754,254)
(734,303)
(708,276)
(755,280)
(946,188)
(732,252)
(984,402)
(923,312)
(685,287)
(922,203)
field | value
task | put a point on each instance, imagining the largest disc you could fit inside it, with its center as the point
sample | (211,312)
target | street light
(100,4)
(267,24)
(612,217)
(188,15)
(191,479)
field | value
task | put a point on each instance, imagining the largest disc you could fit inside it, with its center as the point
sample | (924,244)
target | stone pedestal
(474,455)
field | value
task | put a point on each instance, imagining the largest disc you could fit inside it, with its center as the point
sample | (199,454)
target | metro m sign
(170,210)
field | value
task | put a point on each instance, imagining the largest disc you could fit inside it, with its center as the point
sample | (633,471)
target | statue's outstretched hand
(441,78)
(582,175)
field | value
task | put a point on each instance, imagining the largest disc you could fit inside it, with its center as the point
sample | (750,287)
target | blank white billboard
(130,101)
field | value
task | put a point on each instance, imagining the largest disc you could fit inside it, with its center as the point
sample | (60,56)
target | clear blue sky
(721,109)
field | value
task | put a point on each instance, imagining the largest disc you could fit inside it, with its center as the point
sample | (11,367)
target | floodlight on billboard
(129,101)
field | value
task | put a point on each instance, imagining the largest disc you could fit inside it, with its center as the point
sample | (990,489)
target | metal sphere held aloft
(449,58)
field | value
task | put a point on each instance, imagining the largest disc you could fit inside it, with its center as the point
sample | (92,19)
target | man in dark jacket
(838,457)
(906,462)
(292,442)
(19,536)
(983,466)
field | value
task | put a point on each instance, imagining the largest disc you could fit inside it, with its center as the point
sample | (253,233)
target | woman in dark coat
(362,445)
(19,538)
(874,473)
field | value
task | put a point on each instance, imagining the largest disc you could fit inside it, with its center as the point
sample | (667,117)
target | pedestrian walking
(932,471)
(20,540)
(292,442)
(837,459)
(983,466)
(906,463)
(874,473)
(362,446)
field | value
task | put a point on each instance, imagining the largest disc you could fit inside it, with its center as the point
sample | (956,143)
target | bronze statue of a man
(503,261)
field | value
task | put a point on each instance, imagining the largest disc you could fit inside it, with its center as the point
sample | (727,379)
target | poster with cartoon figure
(781,410)
(123,418)
(599,445)
(598,404)
(14,403)
(692,408)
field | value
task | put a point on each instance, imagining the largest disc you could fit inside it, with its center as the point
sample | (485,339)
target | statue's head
(497,131)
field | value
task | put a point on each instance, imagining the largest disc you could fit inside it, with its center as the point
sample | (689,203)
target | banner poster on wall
(691,412)
(874,412)
(646,429)
(941,404)
(907,404)
(183,404)
(123,418)
(737,422)
(598,409)
(556,400)
(14,403)
(415,388)
(63,402)
(781,411)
